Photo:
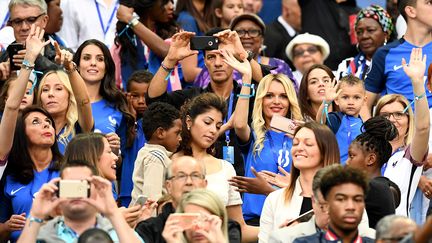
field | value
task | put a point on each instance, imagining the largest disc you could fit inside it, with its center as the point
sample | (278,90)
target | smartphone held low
(283,124)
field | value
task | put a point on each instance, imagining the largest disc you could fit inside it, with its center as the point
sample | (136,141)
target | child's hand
(331,91)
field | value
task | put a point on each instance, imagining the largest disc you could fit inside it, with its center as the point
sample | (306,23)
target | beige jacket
(149,170)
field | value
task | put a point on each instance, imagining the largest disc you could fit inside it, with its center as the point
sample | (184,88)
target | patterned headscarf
(379,14)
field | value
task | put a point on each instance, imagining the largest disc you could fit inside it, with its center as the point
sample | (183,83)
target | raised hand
(416,67)
(172,232)
(243,67)
(46,200)
(63,57)
(180,48)
(331,91)
(124,13)
(34,43)
(101,196)
(229,40)
(214,233)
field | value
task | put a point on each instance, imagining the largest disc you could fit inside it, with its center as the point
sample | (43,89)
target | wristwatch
(250,55)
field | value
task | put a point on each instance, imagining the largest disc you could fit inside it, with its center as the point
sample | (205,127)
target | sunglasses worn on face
(301,52)
(28,21)
(251,33)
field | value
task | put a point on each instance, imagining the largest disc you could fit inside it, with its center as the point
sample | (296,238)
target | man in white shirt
(88,19)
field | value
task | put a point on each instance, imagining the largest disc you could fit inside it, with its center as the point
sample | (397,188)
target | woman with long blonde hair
(264,148)
(64,95)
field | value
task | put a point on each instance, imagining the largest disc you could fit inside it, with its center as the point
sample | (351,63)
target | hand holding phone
(283,124)
(186,220)
(141,200)
(204,43)
(73,189)
(13,50)
(300,219)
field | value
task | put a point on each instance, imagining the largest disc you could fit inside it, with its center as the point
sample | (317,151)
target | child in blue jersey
(162,128)
(137,86)
(350,95)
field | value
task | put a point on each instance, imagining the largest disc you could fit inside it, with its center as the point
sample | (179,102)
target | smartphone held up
(73,189)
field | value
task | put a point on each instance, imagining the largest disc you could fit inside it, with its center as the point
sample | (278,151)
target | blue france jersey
(276,152)
(106,117)
(387,76)
(128,165)
(18,198)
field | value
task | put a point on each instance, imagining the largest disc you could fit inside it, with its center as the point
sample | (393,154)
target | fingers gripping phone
(141,200)
(204,43)
(12,50)
(283,124)
(73,189)
(302,218)
(186,220)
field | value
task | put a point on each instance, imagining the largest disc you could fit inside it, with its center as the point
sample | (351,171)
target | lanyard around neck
(105,28)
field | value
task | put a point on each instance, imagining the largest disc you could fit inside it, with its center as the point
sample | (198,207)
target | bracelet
(166,68)
(417,97)
(244,96)
(27,65)
(134,21)
(34,219)
(73,69)
(252,87)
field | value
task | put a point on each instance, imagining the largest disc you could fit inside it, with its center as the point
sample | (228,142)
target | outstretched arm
(179,49)
(241,126)
(85,117)
(34,45)
(151,39)
(415,70)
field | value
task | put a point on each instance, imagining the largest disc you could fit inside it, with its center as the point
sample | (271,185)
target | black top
(330,20)
(379,200)
(276,40)
(151,229)
(306,205)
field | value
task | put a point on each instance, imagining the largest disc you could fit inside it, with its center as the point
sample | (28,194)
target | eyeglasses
(28,21)
(183,177)
(300,52)
(251,33)
(396,115)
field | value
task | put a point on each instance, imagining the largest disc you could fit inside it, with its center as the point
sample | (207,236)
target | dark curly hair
(377,134)
(158,114)
(338,175)
(197,106)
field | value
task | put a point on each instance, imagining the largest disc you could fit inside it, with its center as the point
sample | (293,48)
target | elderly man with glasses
(24,13)
(183,175)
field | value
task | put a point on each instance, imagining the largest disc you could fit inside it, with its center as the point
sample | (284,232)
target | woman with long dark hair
(28,146)
(109,105)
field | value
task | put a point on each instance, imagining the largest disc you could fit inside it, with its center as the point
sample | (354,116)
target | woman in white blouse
(314,146)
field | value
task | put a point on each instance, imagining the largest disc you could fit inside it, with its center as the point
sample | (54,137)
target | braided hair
(377,134)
